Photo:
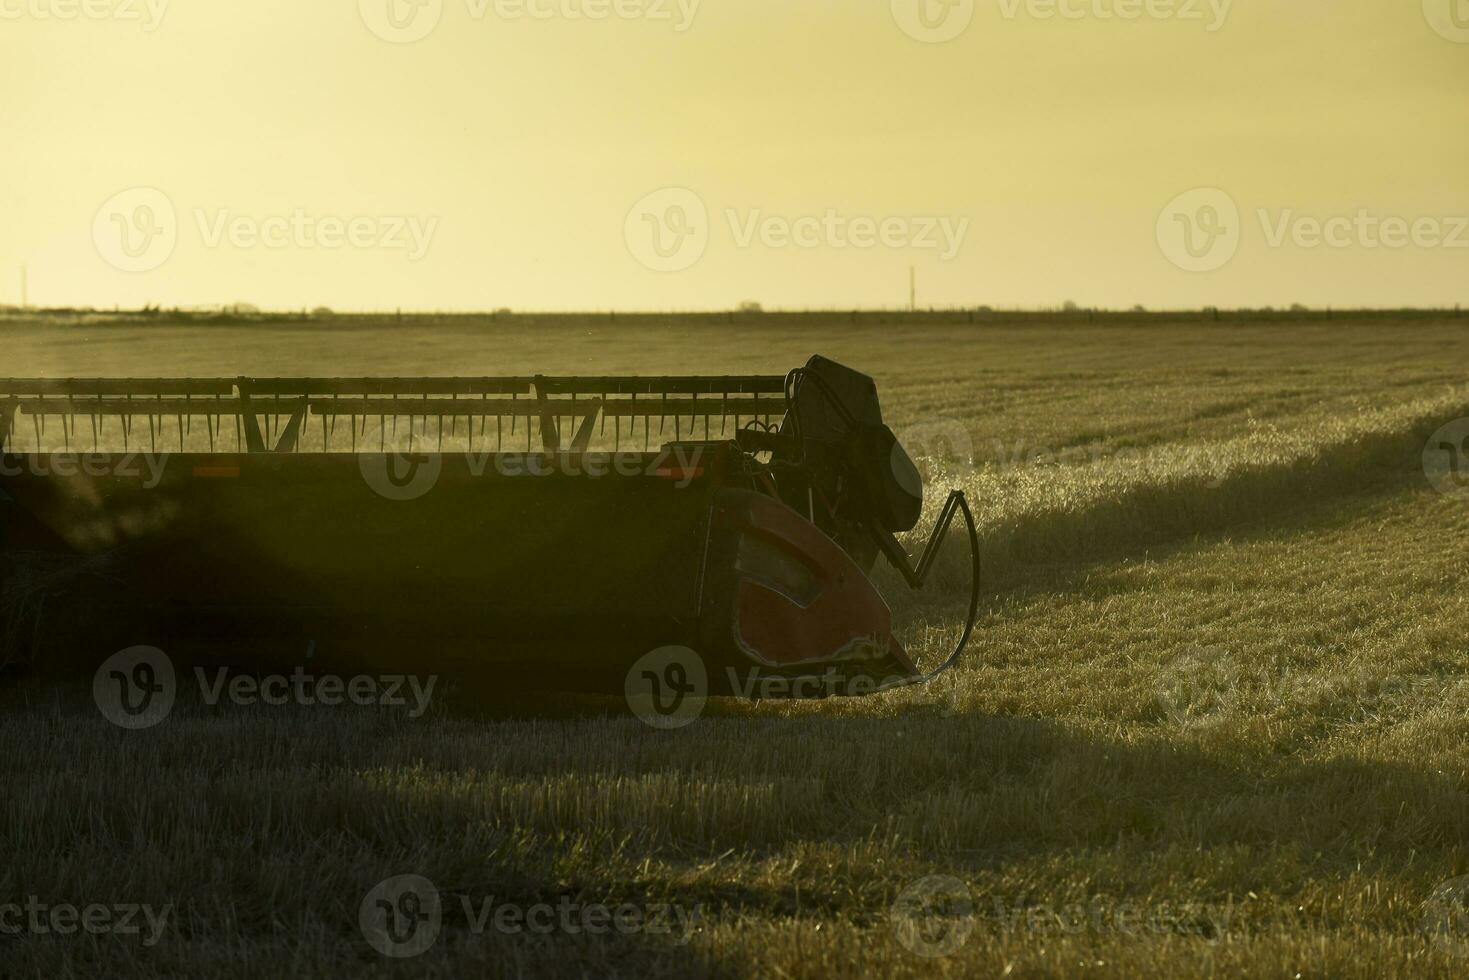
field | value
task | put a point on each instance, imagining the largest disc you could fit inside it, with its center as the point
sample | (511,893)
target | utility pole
(24,304)
(912,289)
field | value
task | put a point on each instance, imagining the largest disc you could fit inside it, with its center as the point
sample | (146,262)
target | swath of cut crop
(1037,515)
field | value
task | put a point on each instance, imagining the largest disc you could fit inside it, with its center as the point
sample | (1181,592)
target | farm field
(1214,720)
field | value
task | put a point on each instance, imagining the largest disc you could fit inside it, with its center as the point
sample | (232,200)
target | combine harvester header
(530,532)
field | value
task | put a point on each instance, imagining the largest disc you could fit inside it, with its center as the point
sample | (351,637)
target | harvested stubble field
(1215,720)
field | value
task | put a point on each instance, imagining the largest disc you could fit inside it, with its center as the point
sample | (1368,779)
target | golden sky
(692,154)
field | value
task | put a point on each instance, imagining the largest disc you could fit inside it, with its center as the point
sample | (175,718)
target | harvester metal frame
(295,400)
(829,465)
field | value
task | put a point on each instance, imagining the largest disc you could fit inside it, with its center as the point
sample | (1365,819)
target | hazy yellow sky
(677,154)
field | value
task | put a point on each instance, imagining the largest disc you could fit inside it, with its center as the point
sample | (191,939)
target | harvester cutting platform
(534,531)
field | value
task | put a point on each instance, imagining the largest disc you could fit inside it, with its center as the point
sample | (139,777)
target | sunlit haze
(676,154)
